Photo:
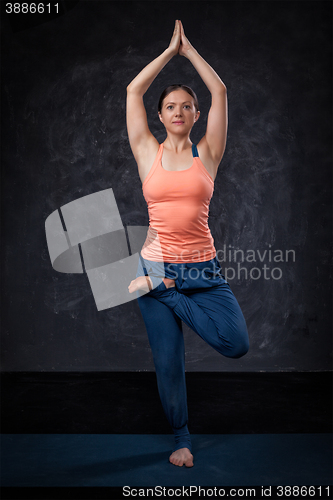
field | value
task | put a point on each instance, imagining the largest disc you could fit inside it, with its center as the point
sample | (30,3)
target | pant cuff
(182,438)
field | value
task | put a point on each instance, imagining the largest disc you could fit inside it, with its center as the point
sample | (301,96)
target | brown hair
(177,86)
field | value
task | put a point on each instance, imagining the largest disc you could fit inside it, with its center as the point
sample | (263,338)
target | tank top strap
(195,151)
(199,163)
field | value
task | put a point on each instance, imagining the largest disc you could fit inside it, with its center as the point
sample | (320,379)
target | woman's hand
(184,46)
(175,40)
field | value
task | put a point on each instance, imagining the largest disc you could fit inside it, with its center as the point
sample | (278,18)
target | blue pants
(202,298)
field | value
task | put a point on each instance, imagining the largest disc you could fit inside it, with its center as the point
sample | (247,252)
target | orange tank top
(178,207)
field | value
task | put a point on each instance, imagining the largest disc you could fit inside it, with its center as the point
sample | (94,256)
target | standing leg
(164,329)
(207,305)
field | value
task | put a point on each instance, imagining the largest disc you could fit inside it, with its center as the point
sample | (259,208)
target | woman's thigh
(211,308)
(222,307)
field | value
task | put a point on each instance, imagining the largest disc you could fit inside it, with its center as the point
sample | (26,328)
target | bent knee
(240,352)
(241,348)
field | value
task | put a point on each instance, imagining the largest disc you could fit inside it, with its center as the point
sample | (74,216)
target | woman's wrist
(191,52)
(170,52)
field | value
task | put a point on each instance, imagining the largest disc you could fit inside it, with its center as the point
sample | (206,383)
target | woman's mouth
(178,123)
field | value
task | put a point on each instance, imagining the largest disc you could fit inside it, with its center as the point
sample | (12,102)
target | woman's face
(178,113)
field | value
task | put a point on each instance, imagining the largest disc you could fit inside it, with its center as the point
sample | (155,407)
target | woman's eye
(169,107)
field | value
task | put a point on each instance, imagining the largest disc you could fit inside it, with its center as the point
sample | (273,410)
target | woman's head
(174,87)
(178,109)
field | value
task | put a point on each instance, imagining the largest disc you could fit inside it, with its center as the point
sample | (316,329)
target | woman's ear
(196,118)
(160,117)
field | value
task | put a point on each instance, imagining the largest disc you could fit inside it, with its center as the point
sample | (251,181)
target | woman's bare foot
(140,283)
(169,282)
(181,457)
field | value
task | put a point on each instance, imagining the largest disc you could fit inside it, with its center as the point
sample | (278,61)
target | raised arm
(140,137)
(214,142)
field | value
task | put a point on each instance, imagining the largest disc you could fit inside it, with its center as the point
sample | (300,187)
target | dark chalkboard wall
(64,136)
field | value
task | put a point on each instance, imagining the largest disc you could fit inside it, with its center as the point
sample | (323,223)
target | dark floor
(86,435)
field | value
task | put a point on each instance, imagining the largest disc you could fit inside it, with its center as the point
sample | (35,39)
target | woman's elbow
(134,90)
(223,88)
(219,91)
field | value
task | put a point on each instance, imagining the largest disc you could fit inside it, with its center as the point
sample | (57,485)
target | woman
(179,275)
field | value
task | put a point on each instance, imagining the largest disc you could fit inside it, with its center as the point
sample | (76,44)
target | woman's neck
(177,144)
